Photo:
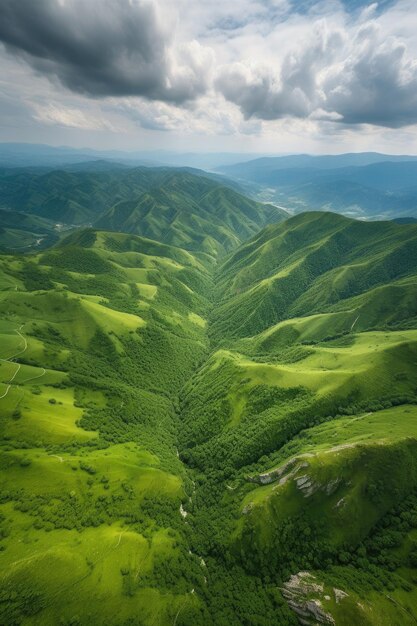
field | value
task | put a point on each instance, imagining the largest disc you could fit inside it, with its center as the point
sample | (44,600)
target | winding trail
(10,359)
(14,356)
(35,377)
(120,537)
(406,610)
(179,611)
(351,328)
(9,384)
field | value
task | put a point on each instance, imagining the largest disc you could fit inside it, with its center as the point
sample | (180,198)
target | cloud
(55,113)
(105,47)
(375,84)
(237,67)
(259,92)
(348,74)
(209,116)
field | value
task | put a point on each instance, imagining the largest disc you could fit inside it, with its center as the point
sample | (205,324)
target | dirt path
(351,328)
(179,611)
(409,613)
(25,344)
(35,377)
(120,537)
(9,384)
(10,360)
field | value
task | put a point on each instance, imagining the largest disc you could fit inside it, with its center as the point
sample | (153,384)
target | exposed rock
(316,610)
(298,592)
(269,477)
(332,486)
(307,485)
(302,584)
(339,595)
(303,481)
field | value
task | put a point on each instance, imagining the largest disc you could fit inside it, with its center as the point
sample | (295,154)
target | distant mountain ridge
(183,206)
(326,161)
(369,185)
(192,212)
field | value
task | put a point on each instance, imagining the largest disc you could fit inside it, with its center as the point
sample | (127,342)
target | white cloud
(239,69)
(355,73)
(73,118)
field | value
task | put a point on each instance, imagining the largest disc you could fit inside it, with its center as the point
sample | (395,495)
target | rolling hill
(194,213)
(305,412)
(180,207)
(197,430)
(98,336)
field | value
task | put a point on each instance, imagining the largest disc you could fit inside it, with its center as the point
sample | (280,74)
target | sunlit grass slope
(313,263)
(97,337)
(305,411)
(180,439)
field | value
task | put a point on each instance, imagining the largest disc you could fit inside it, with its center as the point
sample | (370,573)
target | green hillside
(191,442)
(303,416)
(82,197)
(98,336)
(195,214)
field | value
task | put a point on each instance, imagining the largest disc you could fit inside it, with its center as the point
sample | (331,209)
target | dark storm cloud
(100,47)
(345,68)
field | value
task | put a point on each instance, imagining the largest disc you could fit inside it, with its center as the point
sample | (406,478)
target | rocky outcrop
(304,595)
(290,470)
(308,486)
(339,595)
(283,472)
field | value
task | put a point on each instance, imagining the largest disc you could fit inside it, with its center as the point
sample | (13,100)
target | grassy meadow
(186,427)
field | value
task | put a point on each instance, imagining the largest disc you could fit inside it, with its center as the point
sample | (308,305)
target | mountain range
(365,185)
(207,405)
(178,206)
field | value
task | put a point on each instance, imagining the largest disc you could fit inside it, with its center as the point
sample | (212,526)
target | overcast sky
(210,75)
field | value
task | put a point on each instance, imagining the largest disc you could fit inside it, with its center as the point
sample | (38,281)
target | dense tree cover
(186,420)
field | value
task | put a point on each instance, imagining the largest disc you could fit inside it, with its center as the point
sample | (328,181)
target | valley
(208,313)
(183,431)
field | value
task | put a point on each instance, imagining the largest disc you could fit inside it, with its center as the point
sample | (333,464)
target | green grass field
(180,437)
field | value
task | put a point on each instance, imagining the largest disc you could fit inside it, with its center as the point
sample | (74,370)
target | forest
(223,437)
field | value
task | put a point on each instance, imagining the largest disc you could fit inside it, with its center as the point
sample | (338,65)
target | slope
(194,213)
(303,419)
(20,232)
(97,337)
(190,436)
(82,196)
